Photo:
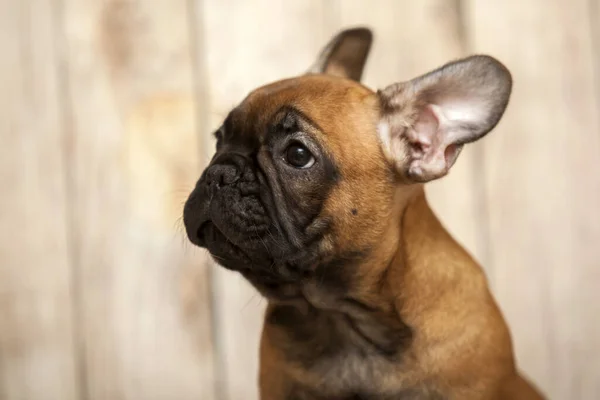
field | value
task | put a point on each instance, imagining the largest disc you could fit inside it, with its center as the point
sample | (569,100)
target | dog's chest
(341,348)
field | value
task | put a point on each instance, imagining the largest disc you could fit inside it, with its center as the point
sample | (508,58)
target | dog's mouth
(255,263)
(240,234)
(221,247)
(207,232)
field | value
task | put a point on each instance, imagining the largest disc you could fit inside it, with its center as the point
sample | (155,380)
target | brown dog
(315,194)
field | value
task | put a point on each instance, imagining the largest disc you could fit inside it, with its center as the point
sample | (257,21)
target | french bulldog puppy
(315,195)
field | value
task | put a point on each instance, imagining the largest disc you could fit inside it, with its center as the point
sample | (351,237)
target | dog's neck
(398,287)
(387,299)
(415,251)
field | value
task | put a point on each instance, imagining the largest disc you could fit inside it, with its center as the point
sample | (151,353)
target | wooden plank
(135,158)
(37,352)
(411,38)
(543,188)
(242,53)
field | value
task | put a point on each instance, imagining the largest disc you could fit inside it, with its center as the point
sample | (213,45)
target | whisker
(217,257)
(261,239)
(180,233)
(249,301)
(271,267)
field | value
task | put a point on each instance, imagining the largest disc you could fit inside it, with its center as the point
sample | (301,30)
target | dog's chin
(274,279)
(274,289)
(250,256)
(224,251)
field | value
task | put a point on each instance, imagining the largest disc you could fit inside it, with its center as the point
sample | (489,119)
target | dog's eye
(299,156)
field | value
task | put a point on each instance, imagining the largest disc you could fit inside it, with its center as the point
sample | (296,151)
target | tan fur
(416,273)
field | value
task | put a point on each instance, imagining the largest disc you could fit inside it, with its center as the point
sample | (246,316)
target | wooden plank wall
(38,358)
(106,111)
(542,180)
(134,154)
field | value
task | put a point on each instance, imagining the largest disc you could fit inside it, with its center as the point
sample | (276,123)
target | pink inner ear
(425,131)
(430,153)
(452,152)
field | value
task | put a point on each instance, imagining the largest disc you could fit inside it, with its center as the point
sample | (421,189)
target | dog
(315,195)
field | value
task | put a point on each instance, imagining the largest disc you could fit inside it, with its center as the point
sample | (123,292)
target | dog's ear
(345,55)
(426,121)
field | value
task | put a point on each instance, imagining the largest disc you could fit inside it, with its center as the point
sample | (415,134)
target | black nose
(222,174)
(225,170)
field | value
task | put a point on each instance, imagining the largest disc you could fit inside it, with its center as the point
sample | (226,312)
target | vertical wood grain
(543,188)
(246,45)
(134,158)
(37,351)
(590,381)
(412,38)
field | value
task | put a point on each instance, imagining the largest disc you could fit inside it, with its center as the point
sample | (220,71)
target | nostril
(222,175)
(230,175)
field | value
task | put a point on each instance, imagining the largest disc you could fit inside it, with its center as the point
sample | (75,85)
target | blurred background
(106,109)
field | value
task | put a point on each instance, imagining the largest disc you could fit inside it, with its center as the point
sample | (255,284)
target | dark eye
(299,156)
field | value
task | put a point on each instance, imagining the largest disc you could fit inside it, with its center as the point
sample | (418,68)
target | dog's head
(308,172)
